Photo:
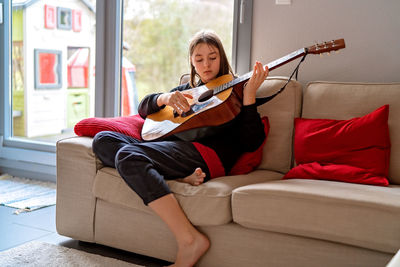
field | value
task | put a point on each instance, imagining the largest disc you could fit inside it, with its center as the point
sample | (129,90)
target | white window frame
(37,160)
(108,57)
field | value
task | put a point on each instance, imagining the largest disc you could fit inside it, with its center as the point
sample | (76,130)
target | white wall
(371,29)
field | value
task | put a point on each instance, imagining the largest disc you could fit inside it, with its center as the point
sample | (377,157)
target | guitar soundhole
(206,95)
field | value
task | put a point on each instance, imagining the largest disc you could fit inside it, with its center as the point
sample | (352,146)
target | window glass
(53,63)
(156,36)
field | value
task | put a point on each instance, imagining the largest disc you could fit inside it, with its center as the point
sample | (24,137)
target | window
(47,70)
(33,116)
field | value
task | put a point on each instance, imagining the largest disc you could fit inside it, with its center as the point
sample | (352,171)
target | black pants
(145,165)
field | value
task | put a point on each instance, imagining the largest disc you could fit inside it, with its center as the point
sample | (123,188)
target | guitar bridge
(184,114)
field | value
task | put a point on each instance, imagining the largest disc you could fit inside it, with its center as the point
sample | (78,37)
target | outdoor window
(47,70)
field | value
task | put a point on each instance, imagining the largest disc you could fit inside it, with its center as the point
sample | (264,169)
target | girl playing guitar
(146,165)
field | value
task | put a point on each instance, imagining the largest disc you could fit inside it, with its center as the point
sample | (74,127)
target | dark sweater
(245,133)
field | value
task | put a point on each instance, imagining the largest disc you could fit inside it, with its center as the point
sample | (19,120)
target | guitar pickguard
(199,106)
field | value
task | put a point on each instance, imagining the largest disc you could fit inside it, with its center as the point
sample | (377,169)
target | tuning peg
(316,46)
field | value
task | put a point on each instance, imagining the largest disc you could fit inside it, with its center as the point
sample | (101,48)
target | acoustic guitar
(218,101)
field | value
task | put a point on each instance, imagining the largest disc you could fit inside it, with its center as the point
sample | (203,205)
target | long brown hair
(210,38)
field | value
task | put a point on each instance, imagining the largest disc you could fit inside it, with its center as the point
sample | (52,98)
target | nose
(207,62)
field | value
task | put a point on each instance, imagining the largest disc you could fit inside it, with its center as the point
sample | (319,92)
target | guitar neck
(272,65)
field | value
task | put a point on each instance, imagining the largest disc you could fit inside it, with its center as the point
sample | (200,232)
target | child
(146,165)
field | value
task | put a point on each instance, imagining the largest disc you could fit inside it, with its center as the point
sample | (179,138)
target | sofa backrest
(333,100)
(281,111)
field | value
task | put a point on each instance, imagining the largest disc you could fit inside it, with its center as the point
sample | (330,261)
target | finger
(176,106)
(255,71)
(181,108)
(188,96)
(263,72)
(183,104)
(181,99)
(177,101)
(259,69)
(173,99)
(178,109)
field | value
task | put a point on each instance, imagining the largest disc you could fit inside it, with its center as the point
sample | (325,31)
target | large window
(51,50)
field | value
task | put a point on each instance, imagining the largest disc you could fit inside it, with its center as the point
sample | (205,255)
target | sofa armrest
(76,169)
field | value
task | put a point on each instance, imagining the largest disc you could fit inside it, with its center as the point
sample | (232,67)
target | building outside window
(53,63)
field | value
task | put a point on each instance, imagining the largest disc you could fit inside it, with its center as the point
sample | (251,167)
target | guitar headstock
(326,46)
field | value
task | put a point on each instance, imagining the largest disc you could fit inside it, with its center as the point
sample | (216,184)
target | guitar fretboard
(272,65)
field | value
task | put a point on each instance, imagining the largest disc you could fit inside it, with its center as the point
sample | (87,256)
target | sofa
(258,218)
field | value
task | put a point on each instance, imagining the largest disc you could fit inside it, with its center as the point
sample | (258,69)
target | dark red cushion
(128,125)
(250,160)
(355,150)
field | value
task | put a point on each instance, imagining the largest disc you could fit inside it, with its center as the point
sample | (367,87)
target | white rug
(39,254)
(26,194)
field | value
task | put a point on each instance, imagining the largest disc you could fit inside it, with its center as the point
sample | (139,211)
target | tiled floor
(39,225)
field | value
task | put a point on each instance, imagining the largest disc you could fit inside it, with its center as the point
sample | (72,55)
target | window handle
(241,18)
(1,13)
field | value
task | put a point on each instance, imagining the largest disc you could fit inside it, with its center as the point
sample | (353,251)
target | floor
(40,225)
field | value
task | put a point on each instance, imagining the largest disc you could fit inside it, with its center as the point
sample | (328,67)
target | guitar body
(217,110)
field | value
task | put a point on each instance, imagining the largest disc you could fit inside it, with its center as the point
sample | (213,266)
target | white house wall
(46,108)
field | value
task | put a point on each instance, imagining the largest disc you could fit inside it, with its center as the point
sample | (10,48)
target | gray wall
(370,28)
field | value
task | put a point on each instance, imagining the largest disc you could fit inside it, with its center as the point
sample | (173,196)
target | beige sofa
(256,219)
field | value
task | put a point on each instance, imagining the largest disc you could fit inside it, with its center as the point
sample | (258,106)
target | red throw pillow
(128,125)
(355,150)
(250,160)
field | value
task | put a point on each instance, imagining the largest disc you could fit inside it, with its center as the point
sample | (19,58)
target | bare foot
(190,251)
(196,178)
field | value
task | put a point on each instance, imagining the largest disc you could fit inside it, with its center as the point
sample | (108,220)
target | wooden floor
(39,225)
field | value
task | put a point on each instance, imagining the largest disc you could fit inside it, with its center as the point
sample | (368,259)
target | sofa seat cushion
(207,204)
(361,215)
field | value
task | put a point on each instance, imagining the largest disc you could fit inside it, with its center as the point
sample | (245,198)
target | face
(206,61)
